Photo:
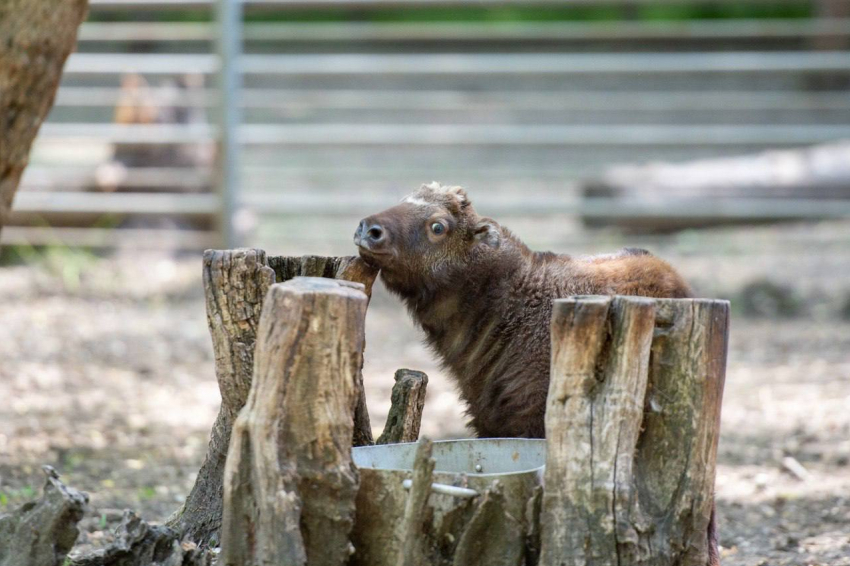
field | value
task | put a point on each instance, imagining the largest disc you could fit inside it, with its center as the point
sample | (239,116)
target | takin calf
(484,299)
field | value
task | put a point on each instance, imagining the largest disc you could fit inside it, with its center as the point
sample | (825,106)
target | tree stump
(41,533)
(235,285)
(632,425)
(290,485)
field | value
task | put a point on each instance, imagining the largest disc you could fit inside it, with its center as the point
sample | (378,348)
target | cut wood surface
(408,401)
(290,484)
(625,484)
(41,533)
(235,285)
(36,37)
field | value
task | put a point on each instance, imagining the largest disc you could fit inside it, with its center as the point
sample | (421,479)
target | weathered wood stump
(41,533)
(632,425)
(290,485)
(235,285)
(408,401)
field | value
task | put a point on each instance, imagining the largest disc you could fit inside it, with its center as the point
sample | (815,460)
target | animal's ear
(487,232)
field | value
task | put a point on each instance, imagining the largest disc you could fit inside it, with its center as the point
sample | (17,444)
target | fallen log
(768,186)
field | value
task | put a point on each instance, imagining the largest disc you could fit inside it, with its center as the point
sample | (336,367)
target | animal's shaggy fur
(484,299)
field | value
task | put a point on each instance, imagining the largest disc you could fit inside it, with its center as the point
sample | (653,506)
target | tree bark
(493,537)
(36,37)
(416,537)
(43,532)
(348,268)
(290,484)
(408,400)
(235,285)
(141,544)
(627,484)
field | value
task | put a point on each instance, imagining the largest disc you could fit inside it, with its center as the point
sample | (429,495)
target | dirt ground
(106,373)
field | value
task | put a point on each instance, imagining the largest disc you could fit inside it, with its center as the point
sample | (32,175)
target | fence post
(228,116)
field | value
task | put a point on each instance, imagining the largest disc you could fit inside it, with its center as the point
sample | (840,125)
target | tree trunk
(235,285)
(408,400)
(290,484)
(36,36)
(43,532)
(632,424)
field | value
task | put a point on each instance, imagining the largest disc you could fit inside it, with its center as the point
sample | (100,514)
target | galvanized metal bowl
(464,469)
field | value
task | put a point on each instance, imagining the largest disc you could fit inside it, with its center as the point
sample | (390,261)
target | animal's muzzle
(369,234)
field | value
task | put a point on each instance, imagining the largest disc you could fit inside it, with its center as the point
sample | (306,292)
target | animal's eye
(438,228)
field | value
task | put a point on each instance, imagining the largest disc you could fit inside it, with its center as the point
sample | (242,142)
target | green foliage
(59,260)
(472,13)
(10,498)
(147,493)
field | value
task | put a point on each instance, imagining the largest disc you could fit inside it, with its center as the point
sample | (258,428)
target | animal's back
(508,398)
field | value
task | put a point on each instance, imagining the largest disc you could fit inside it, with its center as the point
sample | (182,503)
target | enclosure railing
(279,119)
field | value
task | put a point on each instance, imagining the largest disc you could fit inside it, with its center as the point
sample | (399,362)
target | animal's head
(427,238)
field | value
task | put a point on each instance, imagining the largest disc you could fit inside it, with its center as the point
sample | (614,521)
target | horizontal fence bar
(454,135)
(108,237)
(473,64)
(348,204)
(544,64)
(115,203)
(698,208)
(424,100)
(473,31)
(507,135)
(125,177)
(153,134)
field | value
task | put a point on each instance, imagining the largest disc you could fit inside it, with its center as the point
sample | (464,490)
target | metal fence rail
(314,118)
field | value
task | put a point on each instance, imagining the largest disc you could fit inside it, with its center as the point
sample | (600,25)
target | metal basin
(463,470)
(486,457)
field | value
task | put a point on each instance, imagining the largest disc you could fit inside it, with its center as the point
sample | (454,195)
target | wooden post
(290,484)
(408,400)
(235,285)
(348,268)
(624,484)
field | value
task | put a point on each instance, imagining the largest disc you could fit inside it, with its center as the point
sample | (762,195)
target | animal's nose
(370,232)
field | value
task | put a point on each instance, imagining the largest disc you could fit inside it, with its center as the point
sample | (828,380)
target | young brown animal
(484,299)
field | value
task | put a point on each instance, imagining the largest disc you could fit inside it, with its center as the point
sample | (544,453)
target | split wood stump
(290,484)
(235,286)
(632,425)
